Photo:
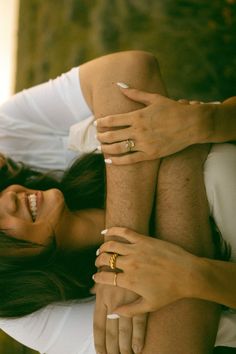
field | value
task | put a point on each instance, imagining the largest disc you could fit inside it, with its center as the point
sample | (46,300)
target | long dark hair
(29,283)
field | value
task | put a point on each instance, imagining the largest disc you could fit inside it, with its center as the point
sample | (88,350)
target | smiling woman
(49,232)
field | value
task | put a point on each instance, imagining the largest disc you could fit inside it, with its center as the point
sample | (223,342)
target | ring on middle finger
(129,144)
(112,261)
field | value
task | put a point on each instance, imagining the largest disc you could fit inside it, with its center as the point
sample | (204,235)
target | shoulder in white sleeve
(56,104)
(64,328)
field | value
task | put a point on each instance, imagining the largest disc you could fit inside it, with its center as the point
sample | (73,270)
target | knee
(145,62)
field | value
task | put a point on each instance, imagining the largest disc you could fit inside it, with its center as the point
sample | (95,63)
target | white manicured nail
(98,252)
(95,123)
(103,232)
(122,85)
(113,316)
(99,148)
(108,161)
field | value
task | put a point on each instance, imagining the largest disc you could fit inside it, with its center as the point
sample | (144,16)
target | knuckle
(110,120)
(102,258)
(111,245)
(125,231)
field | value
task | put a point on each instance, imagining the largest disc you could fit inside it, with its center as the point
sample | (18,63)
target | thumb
(146,98)
(134,308)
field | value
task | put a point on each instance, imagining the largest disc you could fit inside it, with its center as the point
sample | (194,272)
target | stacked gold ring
(112,261)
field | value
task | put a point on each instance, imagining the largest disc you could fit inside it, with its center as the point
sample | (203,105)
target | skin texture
(126,202)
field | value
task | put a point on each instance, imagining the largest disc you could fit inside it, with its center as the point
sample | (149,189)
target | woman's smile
(31,215)
(34,201)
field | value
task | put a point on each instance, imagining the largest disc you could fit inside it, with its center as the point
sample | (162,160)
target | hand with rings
(156,270)
(163,127)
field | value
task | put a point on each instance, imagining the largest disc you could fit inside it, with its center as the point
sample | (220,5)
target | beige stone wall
(195,40)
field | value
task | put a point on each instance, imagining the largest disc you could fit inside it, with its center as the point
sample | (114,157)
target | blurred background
(194,41)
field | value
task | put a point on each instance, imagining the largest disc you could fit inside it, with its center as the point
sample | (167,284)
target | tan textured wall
(195,40)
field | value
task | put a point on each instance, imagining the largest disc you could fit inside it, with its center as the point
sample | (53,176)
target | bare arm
(224,121)
(214,281)
(166,126)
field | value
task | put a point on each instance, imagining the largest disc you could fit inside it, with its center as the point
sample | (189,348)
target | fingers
(139,332)
(125,335)
(140,96)
(137,307)
(104,260)
(116,247)
(124,232)
(112,337)
(118,120)
(114,136)
(131,158)
(111,278)
(99,327)
(116,148)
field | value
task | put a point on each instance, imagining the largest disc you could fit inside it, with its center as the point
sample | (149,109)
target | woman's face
(30,215)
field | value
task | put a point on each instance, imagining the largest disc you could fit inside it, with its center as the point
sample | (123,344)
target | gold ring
(112,260)
(129,144)
(115,279)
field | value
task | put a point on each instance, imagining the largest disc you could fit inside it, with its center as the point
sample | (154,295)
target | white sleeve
(65,328)
(34,124)
(220,182)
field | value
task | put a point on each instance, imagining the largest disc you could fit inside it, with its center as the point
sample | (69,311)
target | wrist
(205,123)
(197,286)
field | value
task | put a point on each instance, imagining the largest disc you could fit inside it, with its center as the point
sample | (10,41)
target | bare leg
(187,326)
(129,203)
(130,189)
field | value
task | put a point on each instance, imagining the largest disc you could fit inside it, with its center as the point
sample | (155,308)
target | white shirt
(34,128)
(35,123)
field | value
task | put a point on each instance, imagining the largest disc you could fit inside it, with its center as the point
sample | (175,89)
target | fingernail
(98,252)
(95,123)
(108,161)
(99,148)
(93,276)
(113,316)
(103,232)
(122,85)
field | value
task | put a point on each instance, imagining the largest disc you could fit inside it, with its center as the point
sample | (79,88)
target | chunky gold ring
(115,279)
(112,260)
(129,144)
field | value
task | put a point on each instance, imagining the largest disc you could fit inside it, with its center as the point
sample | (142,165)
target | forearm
(214,123)
(214,281)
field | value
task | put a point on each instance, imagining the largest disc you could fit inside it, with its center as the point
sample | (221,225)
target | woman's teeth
(33,205)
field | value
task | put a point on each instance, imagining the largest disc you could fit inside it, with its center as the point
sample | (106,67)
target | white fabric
(82,137)
(35,123)
(34,128)
(220,182)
